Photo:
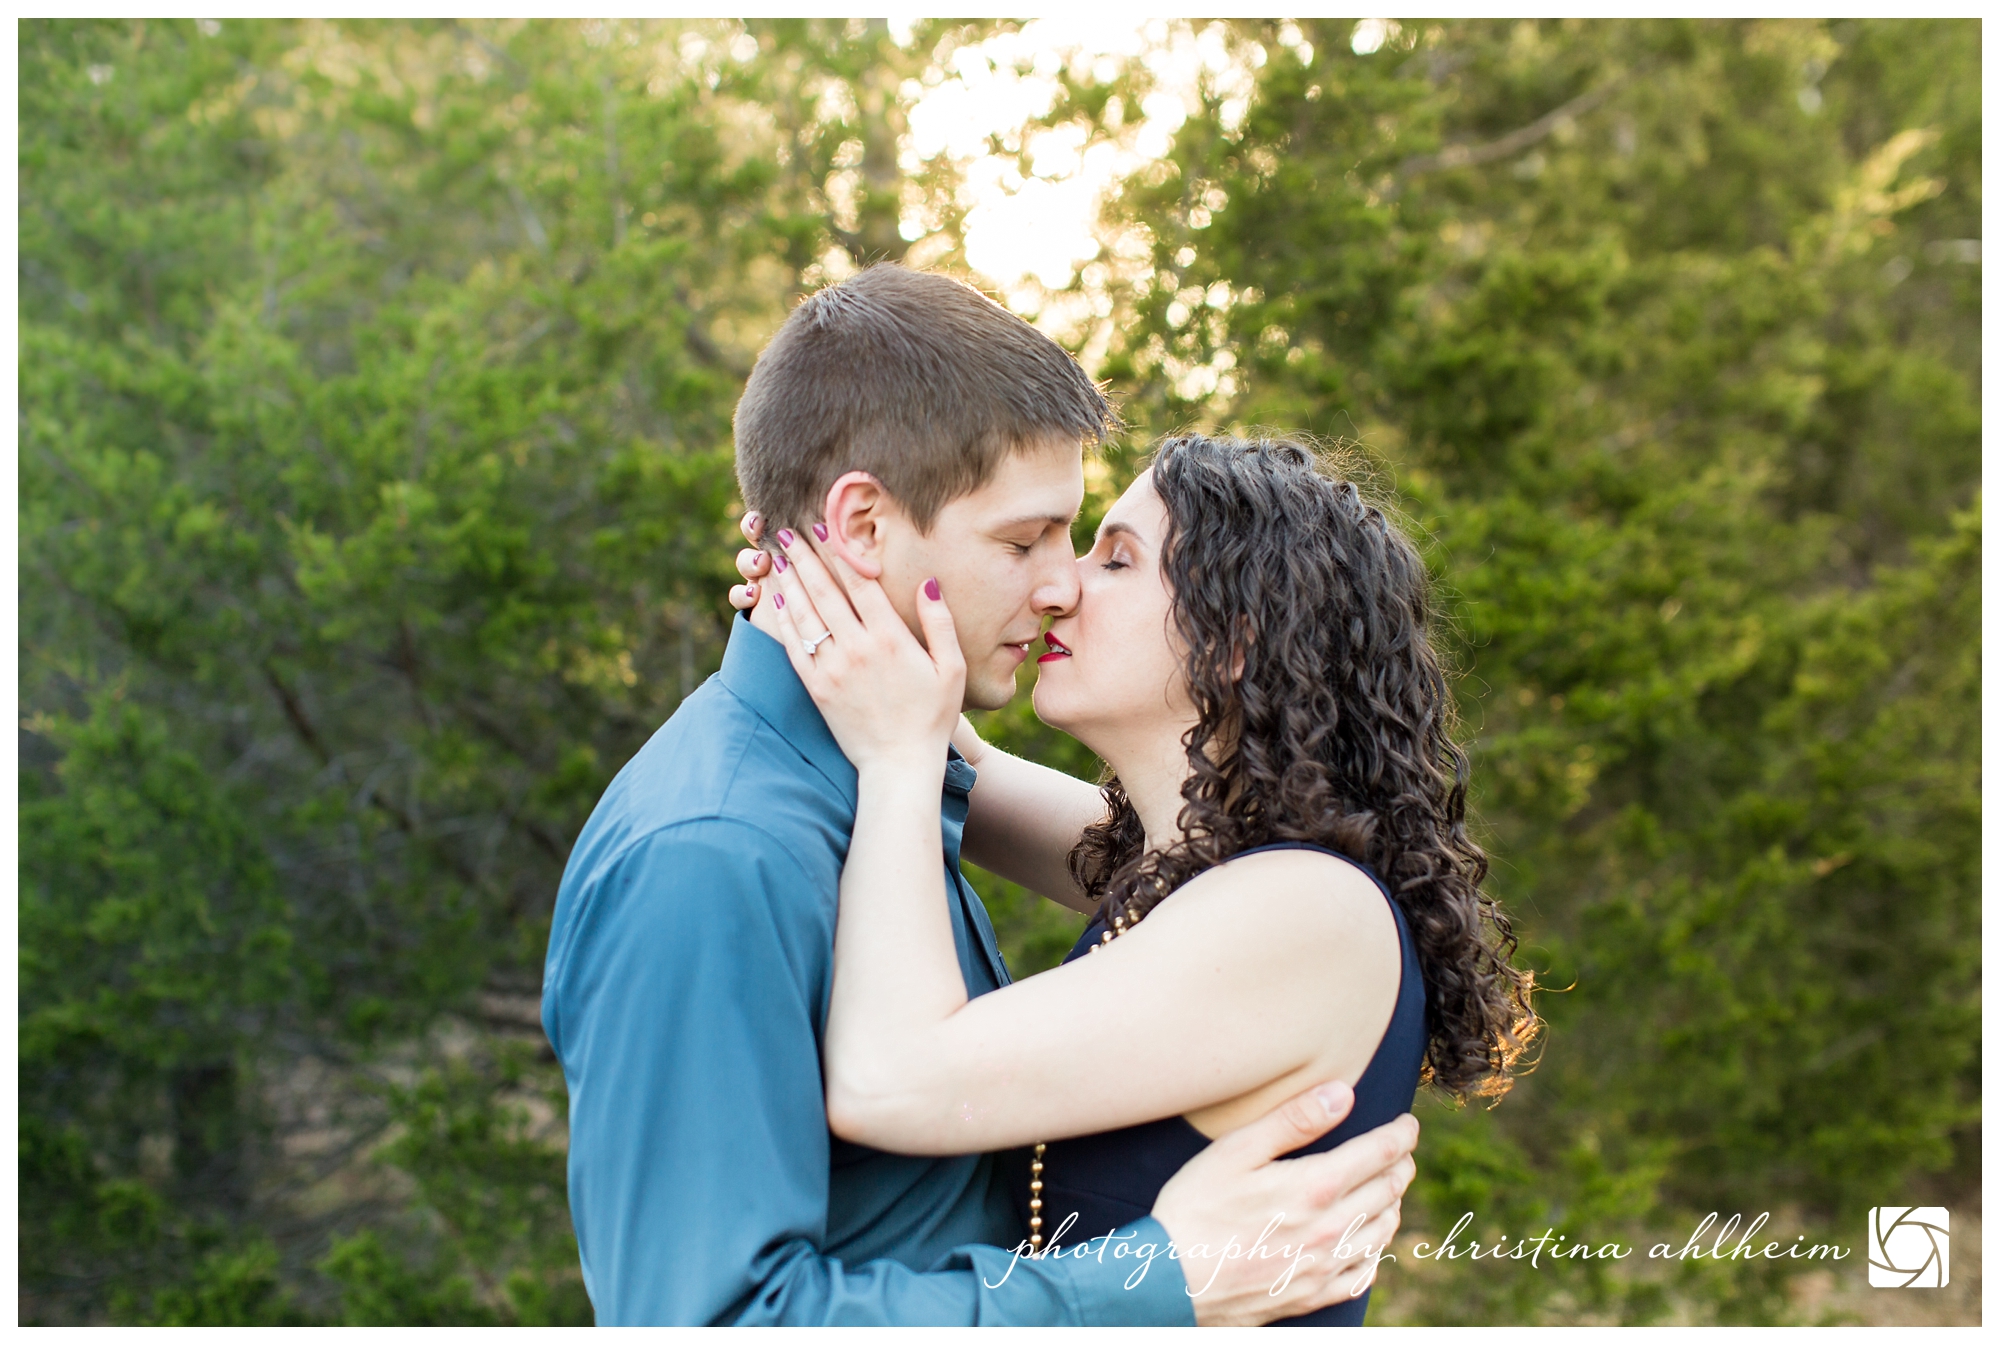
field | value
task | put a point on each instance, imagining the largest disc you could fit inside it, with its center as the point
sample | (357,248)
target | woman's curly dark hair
(1337,731)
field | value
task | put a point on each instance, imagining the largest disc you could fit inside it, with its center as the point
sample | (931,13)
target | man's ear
(858,515)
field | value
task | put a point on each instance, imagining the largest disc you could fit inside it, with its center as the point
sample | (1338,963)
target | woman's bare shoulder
(1321,890)
(1290,917)
(1312,941)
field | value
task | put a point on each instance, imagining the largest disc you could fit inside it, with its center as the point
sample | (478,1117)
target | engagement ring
(812,646)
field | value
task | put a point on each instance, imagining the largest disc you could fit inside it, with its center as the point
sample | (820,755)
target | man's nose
(1059,589)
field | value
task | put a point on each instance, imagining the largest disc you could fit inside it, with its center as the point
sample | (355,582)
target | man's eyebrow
(1038,521)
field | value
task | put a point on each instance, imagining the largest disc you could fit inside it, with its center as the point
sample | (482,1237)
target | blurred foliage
(376,505)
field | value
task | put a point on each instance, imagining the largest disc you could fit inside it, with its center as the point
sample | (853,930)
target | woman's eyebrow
(1114,528)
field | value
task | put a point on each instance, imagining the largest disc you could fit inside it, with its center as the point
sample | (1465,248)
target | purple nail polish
(778,599)
(785,538)
(819,531)
(932,591)
(779,563)
(753,520)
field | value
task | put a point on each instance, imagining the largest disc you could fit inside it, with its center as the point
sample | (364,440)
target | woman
(1251,660)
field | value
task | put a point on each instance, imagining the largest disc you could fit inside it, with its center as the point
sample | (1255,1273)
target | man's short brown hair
(917,379)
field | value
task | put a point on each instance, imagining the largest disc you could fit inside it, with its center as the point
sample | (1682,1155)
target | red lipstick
(1057,649)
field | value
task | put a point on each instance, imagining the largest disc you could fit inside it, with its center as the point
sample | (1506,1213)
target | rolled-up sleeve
(684,1001)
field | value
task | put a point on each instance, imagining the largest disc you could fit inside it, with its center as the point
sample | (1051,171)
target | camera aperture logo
(1909,1247)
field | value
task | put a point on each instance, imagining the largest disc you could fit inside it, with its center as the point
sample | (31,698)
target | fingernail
(750,592)
(777,599)
(932,591)
(785,538)
(819,531)
(1329,1098)
(779,563)
(753,520)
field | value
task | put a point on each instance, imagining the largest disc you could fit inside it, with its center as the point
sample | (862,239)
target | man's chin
(988,693)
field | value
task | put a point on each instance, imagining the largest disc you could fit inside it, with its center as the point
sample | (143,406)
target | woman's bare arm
(1268,973)
(1025,819)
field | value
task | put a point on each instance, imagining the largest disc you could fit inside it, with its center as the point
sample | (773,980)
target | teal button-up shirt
(685,993)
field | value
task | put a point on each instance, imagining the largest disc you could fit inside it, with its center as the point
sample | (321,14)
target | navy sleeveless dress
(1111,1180)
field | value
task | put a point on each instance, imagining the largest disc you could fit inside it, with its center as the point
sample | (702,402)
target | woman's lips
(1057,649)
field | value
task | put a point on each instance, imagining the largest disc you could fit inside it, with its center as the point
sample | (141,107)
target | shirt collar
(756,668)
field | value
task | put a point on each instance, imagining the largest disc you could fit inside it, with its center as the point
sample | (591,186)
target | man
(691,953)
